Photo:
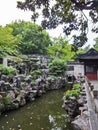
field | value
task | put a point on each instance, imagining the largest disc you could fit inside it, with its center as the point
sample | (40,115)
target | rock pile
(31,81)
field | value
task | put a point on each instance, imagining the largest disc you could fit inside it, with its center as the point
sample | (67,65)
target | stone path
(95,83)
(93,118)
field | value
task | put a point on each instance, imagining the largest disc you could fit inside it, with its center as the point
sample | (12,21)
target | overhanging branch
(86,6)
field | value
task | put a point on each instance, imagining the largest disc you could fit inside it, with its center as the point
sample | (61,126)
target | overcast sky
(9,12)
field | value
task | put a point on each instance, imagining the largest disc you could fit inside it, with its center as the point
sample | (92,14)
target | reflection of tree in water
(56,122)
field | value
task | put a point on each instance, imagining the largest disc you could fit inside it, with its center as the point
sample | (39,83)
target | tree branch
(86,6)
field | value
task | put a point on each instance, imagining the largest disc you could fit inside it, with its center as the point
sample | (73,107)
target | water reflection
(57,122)
(51,119)
(45,113)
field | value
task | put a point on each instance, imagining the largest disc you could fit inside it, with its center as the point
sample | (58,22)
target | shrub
(17,59)
(8,103)
(82,79)
(33,82)
(72,93)
(57,67)
(7,100)
(76,86)
(36,72)
(7,70)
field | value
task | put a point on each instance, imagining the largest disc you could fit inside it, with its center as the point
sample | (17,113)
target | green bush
(7,99)
(33,82)
(8,103)
(36,72)
(17,59)
(82,80)
(76,86)
(7,70)
(72,93)
(75,92)
(57,67)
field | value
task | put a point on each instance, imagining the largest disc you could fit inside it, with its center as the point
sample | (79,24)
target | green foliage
(75,92)
(82,80)
(96,43)
(17,59)
(7,100)
(76,86)
(36,72)
(8,104)
(8,42)
(33,82)
(7,70)
(72,93)
(57,67)
(1,106)
(68,13)
(34,40)
(60,48)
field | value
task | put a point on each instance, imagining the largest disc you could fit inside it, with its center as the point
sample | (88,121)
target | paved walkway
(93,120)
(95,83)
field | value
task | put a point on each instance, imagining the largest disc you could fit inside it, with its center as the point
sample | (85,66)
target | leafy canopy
(8,42)
(69,13)
(57,67)
(60,48)
(34,39)
(96,44)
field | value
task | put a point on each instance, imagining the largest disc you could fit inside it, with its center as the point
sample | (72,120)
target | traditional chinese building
(90,61)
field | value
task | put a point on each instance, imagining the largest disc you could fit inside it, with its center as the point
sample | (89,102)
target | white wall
(5,61)
(78,70)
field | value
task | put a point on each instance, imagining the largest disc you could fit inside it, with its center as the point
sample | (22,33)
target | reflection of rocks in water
(51,119)
(57,122)
(25,86)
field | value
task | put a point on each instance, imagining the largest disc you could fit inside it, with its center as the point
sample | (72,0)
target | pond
(45,113)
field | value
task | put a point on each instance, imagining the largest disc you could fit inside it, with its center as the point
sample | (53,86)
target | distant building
(87,64)
(90,60)
(75,68)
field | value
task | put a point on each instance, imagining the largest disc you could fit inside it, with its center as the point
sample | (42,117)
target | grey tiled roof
(91,54)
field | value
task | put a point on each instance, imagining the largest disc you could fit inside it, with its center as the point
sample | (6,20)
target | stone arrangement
(31,81)
(77,110)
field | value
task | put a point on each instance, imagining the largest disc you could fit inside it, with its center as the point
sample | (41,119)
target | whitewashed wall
(5,61)
(78,70)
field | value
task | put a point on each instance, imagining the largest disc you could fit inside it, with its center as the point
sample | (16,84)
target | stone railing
(91,94)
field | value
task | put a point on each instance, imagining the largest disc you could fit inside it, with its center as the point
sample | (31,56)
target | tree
(96,43)
(60,48)
(69,13)
(8,42)
(34,39)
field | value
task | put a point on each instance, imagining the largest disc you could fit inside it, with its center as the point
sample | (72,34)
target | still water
(45,113)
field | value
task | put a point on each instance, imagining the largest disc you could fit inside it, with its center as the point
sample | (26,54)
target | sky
(9,13)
